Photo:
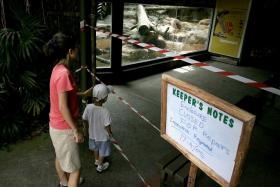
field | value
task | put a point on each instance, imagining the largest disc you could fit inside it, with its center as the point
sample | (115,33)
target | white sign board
(207,132)
(212,133)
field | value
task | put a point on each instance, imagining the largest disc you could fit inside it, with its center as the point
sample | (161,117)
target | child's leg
(100,160)
(102,165)
(104,151)
(96,156)
(94,150)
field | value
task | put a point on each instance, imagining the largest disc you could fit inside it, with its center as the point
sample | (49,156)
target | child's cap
(101,91)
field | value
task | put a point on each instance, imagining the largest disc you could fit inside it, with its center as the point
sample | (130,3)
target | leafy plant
(24,81)
(11,128)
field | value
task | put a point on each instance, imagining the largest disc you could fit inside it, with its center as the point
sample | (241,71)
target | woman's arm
(64,109)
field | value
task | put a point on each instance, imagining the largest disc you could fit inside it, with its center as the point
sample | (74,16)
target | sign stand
(192,175)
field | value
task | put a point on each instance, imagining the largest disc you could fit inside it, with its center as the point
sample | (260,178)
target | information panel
(229,27)
(207,129)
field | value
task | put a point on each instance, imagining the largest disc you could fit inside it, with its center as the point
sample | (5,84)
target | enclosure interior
(182,27)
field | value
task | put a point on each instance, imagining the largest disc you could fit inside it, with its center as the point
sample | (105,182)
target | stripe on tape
(241,79)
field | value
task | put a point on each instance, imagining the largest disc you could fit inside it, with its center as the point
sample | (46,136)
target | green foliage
(11,128)
(24,81)
(103,10)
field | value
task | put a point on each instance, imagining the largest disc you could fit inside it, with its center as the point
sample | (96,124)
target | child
(99,120)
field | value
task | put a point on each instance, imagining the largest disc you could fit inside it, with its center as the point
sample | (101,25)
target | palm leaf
(27,79)
(34,105)
(20,84)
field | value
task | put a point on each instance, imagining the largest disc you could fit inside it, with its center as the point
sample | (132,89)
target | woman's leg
(61,174)
(74,179)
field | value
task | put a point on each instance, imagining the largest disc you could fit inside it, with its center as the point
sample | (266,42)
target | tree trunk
(144,24)
(146,29)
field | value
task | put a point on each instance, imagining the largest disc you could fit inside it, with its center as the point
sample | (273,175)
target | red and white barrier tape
(80,69)
(202,65)
(138,113)
(117,146)
(126,103)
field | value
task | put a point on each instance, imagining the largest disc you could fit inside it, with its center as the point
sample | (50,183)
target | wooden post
(93,19)
(116,44)
(85,44)
(192,175)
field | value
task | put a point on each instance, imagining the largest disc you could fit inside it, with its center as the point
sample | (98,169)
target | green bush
(24,79)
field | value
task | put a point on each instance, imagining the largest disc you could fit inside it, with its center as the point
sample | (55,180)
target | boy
(99,120)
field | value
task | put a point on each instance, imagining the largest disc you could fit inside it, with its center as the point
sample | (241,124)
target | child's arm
(109,130)
(86,93)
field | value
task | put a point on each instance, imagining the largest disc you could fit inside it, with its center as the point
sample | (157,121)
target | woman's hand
(78,136)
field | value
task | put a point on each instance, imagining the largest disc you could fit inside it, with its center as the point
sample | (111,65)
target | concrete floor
(30,162)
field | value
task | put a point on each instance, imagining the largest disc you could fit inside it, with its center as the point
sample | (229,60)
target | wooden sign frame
(245,117)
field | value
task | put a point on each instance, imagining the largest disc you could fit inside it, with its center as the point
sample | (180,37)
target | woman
(64,111)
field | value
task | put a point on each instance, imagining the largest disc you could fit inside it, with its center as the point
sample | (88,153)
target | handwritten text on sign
(205,131)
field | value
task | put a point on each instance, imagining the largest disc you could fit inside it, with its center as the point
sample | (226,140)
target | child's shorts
(103,147)
(66,149)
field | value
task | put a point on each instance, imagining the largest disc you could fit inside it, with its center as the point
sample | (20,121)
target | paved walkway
(30,162)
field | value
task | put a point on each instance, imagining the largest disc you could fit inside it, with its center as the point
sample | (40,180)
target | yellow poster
(229,27)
